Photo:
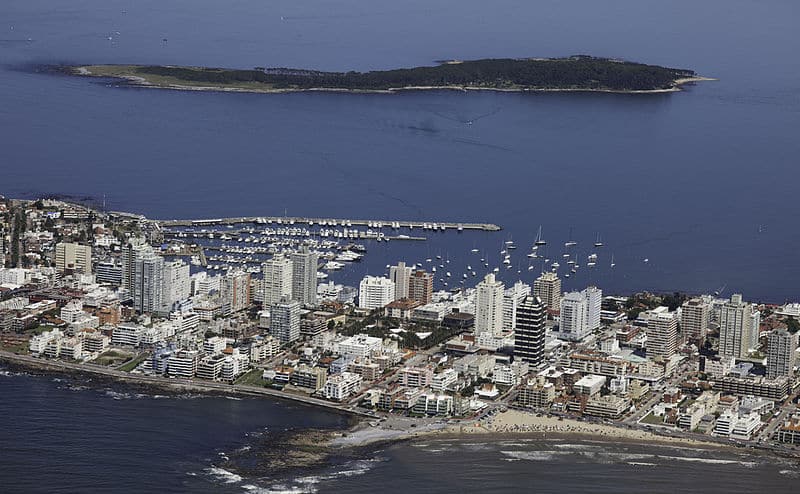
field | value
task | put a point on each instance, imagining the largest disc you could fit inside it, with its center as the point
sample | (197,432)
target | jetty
(331,222)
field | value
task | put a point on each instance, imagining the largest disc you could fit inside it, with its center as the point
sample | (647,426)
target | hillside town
(120,292)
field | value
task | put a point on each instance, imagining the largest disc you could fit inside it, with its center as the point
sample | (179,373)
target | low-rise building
(789,432)
(609,406)
(183,364)
(736,425)
(416,377)
(210,367)
(589,385)
(434,404)
(774,389)
(537,393)
(341,386)
(444,380)
(312,378)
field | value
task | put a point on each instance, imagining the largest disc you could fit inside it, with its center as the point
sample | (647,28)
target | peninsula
(576,73)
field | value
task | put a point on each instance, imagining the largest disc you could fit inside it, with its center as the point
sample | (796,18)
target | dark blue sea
(700,183)
(61,435)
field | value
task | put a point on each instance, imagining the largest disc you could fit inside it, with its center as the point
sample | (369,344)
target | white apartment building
(278,273)
(735,327)
(580,313)
(662,334)
(374,292)
(489,306)
(360,346)
(341,386)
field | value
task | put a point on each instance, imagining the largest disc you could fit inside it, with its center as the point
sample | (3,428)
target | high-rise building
(129,254)
(489,306)
(662,334)
(529,335)
(375,292)
(755,327)
(511,299)
(695,318)
(148,281)
(400,276)
(735,327)
(235,290)
(781,352)
(420,287)
(548,288)
(580,313)
(177,284)
(284,321)
(304,276)
(75,257)
(594,305)
(573,319)
(277,280)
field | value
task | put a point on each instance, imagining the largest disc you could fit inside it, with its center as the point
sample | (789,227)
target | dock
(332,222)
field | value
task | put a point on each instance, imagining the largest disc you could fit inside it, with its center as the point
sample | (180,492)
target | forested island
(577,73)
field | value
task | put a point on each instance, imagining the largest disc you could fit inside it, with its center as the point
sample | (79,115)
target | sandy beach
(510,422)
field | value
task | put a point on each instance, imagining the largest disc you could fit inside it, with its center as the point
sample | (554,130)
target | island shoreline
(142,83)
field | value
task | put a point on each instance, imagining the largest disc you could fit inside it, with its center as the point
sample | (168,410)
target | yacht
(539,240)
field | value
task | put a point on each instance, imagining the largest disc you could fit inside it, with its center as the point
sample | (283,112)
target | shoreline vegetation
(572,74)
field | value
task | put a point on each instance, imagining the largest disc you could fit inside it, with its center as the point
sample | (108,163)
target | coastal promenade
(292,220)
(186,385)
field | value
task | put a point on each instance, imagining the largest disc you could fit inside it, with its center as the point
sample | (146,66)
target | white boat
(598,243)
(612,261)
(539,240)
(474,251)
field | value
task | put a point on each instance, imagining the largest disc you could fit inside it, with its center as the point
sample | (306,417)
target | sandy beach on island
(510,422)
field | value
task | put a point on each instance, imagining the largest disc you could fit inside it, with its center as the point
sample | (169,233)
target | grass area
(129,366)
(652,419)
(20,348)
(252,378)
(125,71)
(113,357)
(39,329)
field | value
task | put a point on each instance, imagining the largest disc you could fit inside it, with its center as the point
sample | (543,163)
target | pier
(333,222)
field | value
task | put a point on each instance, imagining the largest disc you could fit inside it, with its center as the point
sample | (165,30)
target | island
(575,73)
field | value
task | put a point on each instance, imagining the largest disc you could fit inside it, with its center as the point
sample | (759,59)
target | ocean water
(62,435)
(59,434)
(700,183)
